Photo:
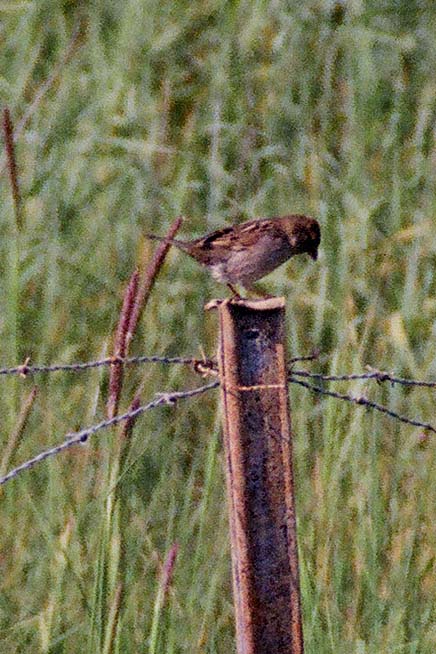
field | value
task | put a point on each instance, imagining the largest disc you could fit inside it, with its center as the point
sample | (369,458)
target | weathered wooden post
(258,450)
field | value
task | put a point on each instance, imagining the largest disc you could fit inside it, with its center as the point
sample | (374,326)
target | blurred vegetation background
(220,111)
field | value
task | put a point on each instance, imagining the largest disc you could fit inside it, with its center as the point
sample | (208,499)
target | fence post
(259,476)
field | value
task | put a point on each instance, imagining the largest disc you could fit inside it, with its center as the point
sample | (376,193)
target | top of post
(262,304)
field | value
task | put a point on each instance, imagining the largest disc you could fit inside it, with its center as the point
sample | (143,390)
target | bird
(243,253)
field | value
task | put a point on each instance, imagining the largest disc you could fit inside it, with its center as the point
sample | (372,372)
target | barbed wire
(363,401)
(377,375)
(75,438)
(207,364)
(205,367)
(25,369)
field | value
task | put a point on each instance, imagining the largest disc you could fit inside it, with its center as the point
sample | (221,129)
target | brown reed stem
(120,349)
(149,277)
(45,87)
(167,572)
(11,162)
(128,425)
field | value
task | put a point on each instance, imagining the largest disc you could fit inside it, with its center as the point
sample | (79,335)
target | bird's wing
(240,237)
(220,245)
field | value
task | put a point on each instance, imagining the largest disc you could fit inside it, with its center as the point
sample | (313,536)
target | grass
(219,111)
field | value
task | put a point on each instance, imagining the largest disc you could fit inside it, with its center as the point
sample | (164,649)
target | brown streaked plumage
(242,254)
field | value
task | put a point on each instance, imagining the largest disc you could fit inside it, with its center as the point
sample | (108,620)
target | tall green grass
(219,111)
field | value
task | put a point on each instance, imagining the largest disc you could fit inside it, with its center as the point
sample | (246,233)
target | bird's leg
(234,291)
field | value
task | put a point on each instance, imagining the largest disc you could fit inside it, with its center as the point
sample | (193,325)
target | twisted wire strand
(204,366)
(26,369)
(74,438)
(363,401)
(377,375)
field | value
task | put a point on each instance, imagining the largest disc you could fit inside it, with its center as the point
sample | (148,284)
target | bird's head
(304,234)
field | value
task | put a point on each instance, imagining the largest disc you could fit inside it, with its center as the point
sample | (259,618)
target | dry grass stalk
(167,572)
(128,425)
(120,349)
(114,615)
(46,86)
(11,162)
(135,300)
(148,278)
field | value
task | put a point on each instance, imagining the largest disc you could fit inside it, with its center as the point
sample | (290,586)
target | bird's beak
(314,255)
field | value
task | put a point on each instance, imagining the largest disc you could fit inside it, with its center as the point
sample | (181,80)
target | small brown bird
(242,254)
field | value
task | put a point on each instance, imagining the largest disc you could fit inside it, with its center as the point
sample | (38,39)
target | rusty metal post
(259,477)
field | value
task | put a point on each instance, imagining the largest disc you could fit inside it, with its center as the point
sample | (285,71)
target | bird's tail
(164,239)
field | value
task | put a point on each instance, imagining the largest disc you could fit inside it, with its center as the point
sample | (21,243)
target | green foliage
(219,111)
